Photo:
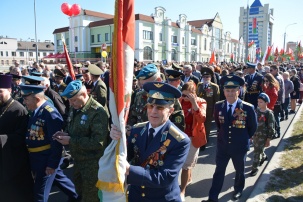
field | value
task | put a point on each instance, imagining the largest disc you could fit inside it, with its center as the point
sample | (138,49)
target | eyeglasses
(265,80)
(158,107)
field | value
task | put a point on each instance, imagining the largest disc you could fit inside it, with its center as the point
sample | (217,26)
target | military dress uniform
(156,163)
(43,150)
(253,86)
(88,129)
(211,94)
(234,132)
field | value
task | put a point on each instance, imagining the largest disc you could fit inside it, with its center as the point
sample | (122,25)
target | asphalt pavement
(204,170)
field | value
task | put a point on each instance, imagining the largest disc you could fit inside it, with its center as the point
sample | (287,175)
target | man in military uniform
(174,78)
(211,93)
(87,79)
(236,122)
(138,111)
(99,90)
(253,82)
(59,86)
(16,91)
(86,132)
(16,183)
(156,149)
(44,153)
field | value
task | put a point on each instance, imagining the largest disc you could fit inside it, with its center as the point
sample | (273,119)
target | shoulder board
(247,103)
(200,83)
(140,125)
(95,104)
(176,133)
(49,108)
(64,84)
(220,102)
(214,84)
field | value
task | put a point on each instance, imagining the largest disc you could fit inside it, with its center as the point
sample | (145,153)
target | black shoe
(286,117)
(254,172)
(282,119)
(291,112)
(237,195)
(202,148)
(262,160)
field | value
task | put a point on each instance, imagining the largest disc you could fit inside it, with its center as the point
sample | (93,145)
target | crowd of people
(47,120)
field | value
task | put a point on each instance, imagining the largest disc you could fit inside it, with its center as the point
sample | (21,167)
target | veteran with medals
(85,133)
(156,149)
(236,122)
(44,152)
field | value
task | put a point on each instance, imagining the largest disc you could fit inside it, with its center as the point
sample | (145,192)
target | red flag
(112,166)
(212,59)
(69,63)
(268,53)
(254,25)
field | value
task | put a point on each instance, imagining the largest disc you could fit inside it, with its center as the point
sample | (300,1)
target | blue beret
(231,81)
(72,89)
(31,89)
(264,97)
(78,76)
(147,72)
(251,65)
(161,93)
(33,80)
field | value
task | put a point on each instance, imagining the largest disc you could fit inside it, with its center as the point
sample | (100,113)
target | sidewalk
(258,194)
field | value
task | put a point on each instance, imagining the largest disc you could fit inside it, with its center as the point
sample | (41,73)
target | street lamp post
(36,31)
(285,34)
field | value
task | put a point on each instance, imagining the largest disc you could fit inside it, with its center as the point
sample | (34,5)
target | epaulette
(64,84)
(176,133)
(200,83)
(49,108)
(95,105)
(219,102)
(140,125)
(247,103)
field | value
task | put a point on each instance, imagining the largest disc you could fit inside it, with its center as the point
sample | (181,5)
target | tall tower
(260,24)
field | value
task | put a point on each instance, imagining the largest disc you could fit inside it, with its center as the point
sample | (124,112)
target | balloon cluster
(69,10)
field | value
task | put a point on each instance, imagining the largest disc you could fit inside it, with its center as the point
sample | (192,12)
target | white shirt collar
(233,105)
(38,108)
(157,129)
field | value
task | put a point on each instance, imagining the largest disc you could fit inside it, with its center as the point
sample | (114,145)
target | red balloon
(76,9)
(66,9)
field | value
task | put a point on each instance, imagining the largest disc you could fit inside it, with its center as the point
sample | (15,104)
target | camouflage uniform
(138,111)
(266,129)
(88,129)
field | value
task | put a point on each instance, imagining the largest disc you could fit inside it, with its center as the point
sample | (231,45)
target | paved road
(204,170)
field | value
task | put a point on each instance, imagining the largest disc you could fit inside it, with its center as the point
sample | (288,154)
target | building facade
(24,52)
(264,20)
(157,38)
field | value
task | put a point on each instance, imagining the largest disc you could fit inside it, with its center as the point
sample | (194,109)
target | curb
(259,187)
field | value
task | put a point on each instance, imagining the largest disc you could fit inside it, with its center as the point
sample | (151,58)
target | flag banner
(266,55)
(212,59)
(68,61)
(232,57)
(254,25)
(251,44)
(111,174)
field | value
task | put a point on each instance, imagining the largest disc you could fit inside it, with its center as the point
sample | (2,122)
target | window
(31,54)
(67,41)
(22,62)
(160,37)
(2,61)
(13,53)
(21,54)
(106,37)
(183,40)
(7,62)
(174,39)
(76,38)
(193,42)
(99,37)
(76,49)
(44,54)
(59,42)
(38,54)
(205,44)
(147,53)
(173,55)
(1,53)
(92,38)
(6,53)
(147,35)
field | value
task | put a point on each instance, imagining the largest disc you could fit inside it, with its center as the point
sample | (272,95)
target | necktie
(205,86)
(150,136)
(251,77)
(229,112)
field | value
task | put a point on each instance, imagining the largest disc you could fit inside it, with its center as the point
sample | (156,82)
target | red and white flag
(111,175)
(266,54)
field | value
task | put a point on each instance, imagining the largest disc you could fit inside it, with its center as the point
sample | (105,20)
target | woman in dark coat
(296,93)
